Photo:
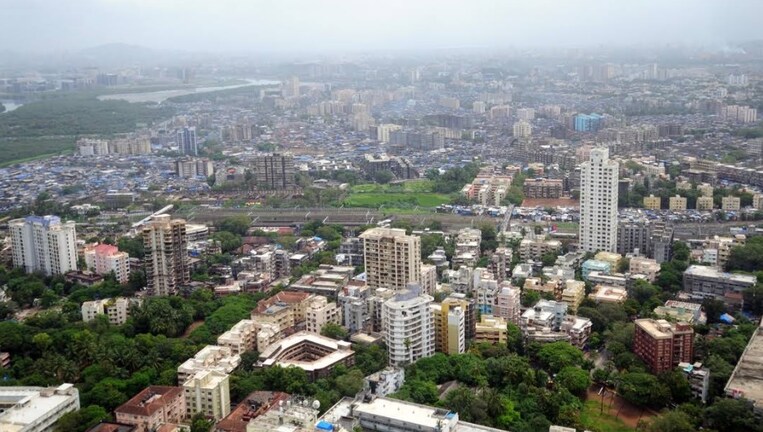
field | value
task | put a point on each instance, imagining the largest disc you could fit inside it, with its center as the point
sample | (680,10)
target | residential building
(35,409)
(274,171)
(595,265)
(548,321)
(680,311)
(392,258)
(507,305)
(104,259)
(543,188)
(609,257)
(449,328)
(677,203)
(328,280)
(279,316)
(717,250)
(615,279)
(598,202)
(467,248)
(551,288)
(731,203)
(207,392)
(705,203)
(351,250)
(573,294)
(242,337)
(117,309)
(186,141)
(757,201)
(210,358)
(469,306)
(491,329)
(166,260)
(188,168)
(355,312)
(698,377)
(321,312)
(43,244)
(315,354)
(644,266)
(500,263)
(652,202)
(706,282)
(535,249)
(152,407)
(522,129)
(662,345)
(255,405)
(386,381)
(408,326)
(608,294)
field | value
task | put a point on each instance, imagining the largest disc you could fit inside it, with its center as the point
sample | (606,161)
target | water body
(162,95)
(10,105)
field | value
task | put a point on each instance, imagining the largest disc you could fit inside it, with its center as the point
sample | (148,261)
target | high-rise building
(166,261)
(291,87)
(662,345)
(598,202)
(450,328)
(522,129)
(186,168)
(408,326)
(186,141)
(104,259)
(392,258)
(274,171)
(43,244)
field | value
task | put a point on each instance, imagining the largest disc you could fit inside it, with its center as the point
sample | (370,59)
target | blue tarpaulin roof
(324,425)
(728,319)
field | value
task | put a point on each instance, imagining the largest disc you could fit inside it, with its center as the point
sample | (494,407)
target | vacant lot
(405,195)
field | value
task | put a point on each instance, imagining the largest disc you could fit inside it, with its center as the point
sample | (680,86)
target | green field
(593,420)
(18,150)
(407,195)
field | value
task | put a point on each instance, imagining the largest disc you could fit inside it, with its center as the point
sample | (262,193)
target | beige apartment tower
(166,261)
(392,258)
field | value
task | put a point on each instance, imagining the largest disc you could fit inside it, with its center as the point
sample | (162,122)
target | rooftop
(24,405)
(254,405)
(150,400)
(747,379)
(698,270)
(278,353)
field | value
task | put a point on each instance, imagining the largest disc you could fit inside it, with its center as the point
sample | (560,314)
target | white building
(207,392)
(35,409)
(321,312)
(117,309)
(210,358)
(598,202)
(43,244)
(104,259)
(408,326)
(522,129)
(242,337)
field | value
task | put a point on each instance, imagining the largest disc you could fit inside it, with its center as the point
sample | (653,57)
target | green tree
(229,242)
(383,176)
(132,245)
(334,331)
(732,415)
(557,355)
(671,421)
(574,379)
(643,389)
(350,383)
(238,224)
(81,420)
(200,423)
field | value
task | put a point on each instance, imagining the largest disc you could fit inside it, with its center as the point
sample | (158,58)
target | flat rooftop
(747,379)
(410,413)
(24,405)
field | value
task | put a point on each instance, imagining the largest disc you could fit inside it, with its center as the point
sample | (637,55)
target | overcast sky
(306,25)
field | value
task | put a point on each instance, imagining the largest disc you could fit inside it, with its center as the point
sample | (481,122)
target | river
(162,95)
(10,105)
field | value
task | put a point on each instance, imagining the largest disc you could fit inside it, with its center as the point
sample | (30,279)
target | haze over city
(359,216)
(308,26)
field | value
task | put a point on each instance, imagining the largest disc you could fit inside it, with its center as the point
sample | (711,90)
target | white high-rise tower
(44,244)
(598,202)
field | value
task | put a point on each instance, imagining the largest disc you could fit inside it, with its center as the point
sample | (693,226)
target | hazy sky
(276,25)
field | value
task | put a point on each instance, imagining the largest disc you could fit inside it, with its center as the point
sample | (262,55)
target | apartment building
(644,266)
(321,312)
(449,328)
(543,188)
(152,407)
(467,248)
(392,258)
(491,329)
(242,337)
(573,294)
(279,316)
(598,202)
(706,282)
(104,259)
(507,304)
(652,202)
(731,203)
(189,168)
(117,309)
(166,260)
(470,311)
(207,392)
(677,203)
(210,358)
(536,248)
(608,294)
(408,326)
(274,171)
(705,203)
(35,409)
(43,244)
(663,345)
